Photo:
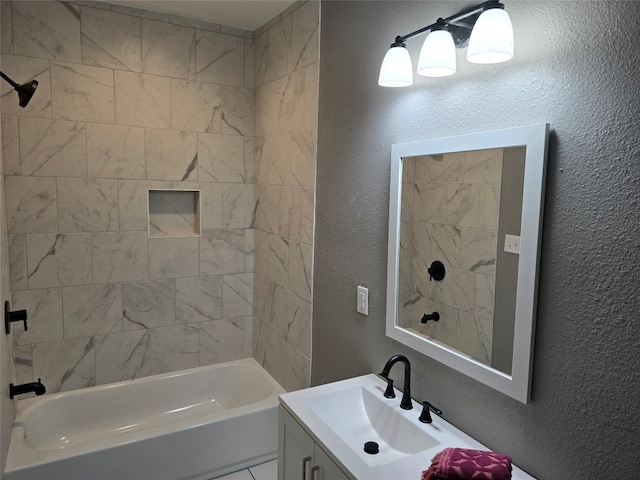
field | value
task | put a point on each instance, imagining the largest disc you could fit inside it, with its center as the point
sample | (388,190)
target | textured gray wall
(577,68)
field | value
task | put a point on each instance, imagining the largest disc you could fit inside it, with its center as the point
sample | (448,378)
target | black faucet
(35,387)
(405,403)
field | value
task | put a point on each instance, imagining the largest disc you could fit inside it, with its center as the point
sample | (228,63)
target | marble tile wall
(286,74)
(128,100)
(450,209)
(7,366)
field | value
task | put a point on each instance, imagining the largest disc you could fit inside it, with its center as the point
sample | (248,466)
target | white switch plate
(362,305)
(512,244)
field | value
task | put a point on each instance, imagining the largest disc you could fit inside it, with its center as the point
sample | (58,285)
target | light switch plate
(512,244)
(362,305)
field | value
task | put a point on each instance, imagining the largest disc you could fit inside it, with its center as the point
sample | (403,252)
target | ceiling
(245,14)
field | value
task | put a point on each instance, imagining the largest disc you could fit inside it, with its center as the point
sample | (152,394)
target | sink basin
(342,416)
(357,416)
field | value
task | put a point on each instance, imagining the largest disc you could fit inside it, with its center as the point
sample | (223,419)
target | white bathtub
(194,424)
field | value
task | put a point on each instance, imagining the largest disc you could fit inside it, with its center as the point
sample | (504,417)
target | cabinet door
(328,469)
(295,449)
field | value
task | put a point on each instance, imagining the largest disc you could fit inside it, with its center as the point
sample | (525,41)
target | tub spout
(35,387)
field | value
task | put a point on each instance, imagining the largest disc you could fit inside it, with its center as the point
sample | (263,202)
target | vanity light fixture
(25,92)
(485,28)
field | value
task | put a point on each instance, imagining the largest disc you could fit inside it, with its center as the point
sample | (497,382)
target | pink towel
(463,464)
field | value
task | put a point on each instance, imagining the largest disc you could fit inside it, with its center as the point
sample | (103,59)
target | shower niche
(173,213)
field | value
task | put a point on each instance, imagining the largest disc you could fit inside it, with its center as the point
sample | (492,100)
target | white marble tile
(423,172)
(298,370)
(82,93)
(168,50)
(58,260)
(210,202)
(219,58)
(115,152)
(237,111)
(221,341)
(44,311)
(303,157)
(236,32)
(249,249)
(291,104)
(302,320)
(409,169)
(171,155)
(6,28)
(260,159)
(222,251)
(446,244)
(18,262)
(483,166)
(195,106)
(65,365)
(289,212)
(194,23)
(148,305)
(23,360)
(268,106)
(142,100)
(448,168)
(279,158)
(119,256)
(273,52)
(475,334)
(300,265)
(281,318)
(47,30)
(198,299)
(273,356)
(92,310)
(10,145)
(305,28)
(249,63)
(484,296)
(311,84)
(238,205)
(132,199)
(478,251)
(22,70)
(261,253)
(249,160)
(457,289)
(268,207)
(122,356)
(430,203)
(278,260)
(307,215)
(31,204)
(140,12)
(174,257)
(220,158)
(463,205)
(52,148)
(87,205)
(489,207)
(174,348)
(240,475)
(237,295)
(111,40)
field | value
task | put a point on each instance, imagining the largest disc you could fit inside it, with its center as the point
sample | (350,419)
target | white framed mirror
(472,203)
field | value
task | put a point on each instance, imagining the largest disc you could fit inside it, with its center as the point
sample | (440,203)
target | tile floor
(264,471)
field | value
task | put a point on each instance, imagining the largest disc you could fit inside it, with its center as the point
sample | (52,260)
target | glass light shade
(396,69)
(438,55)
(491,39)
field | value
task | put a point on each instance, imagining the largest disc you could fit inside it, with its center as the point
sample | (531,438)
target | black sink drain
(371,448)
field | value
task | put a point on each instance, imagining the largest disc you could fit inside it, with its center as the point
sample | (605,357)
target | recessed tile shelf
(174,213)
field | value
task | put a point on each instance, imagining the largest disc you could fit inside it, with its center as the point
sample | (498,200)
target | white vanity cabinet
(299,456)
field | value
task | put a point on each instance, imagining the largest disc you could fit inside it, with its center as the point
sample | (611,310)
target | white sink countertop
(342,416)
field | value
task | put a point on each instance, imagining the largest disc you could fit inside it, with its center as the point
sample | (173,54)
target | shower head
(25,92)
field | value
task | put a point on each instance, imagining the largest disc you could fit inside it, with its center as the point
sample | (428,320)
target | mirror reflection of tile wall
(450,206)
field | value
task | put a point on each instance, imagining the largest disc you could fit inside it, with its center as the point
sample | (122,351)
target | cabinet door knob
(305,460)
